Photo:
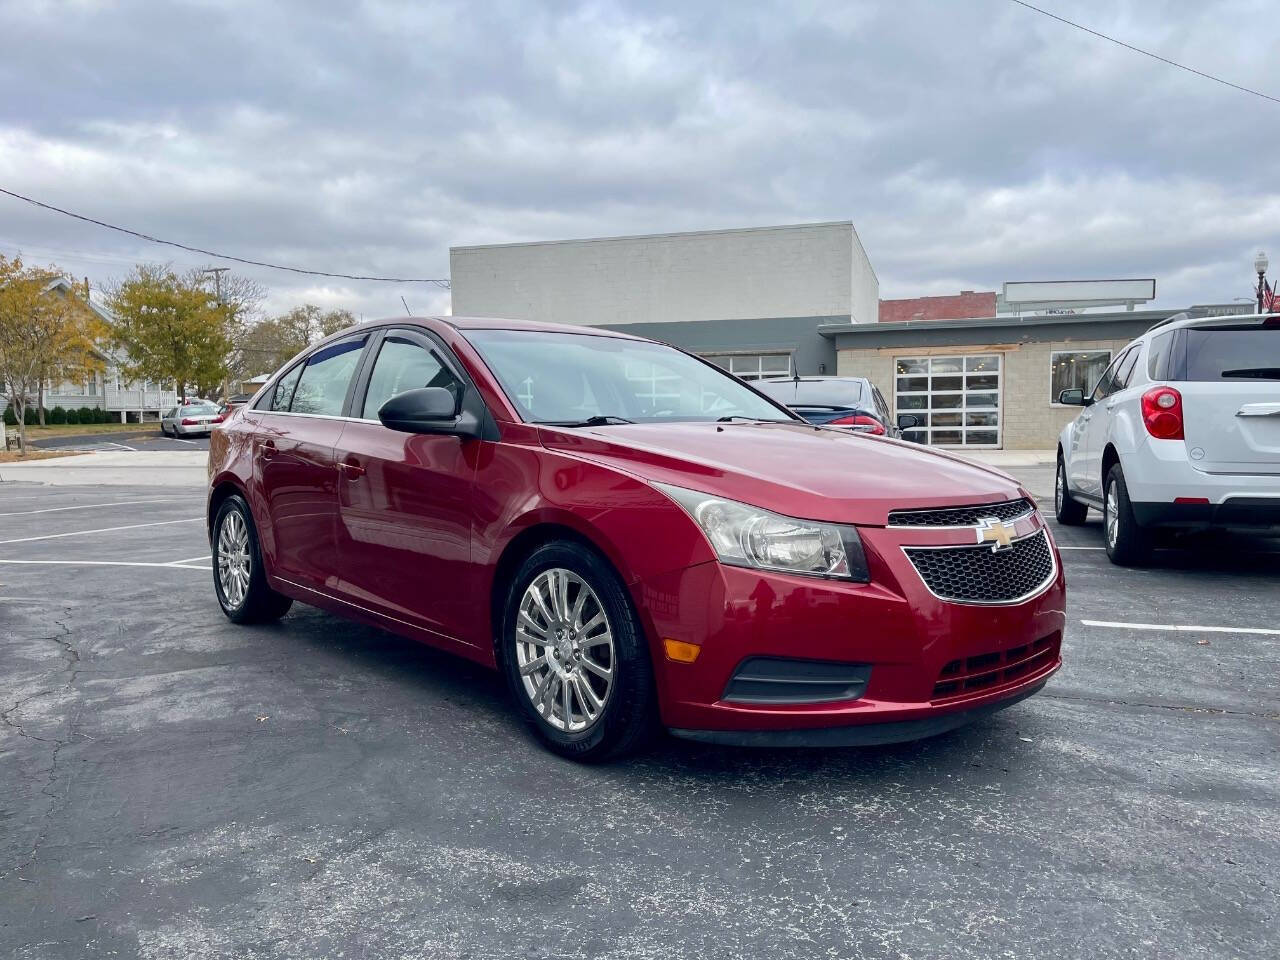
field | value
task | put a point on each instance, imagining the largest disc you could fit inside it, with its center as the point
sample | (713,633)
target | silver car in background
(198,418)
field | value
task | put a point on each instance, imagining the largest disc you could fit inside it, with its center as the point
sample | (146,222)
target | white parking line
(91,506)
(180,440)
(100,563)
(207,556)
(1061,547)
(124,446)
(1179,628)
(85,533)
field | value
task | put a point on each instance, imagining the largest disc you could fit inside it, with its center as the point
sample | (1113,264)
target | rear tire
(1069,511)
(239,577)
(1128,543)
(547,643)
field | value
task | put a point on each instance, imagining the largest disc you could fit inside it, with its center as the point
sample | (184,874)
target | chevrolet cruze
(635,538)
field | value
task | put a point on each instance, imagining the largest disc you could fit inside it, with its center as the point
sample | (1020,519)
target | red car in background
(633,537)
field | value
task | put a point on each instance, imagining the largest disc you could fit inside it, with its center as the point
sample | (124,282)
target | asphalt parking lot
(173,786)
(125,440)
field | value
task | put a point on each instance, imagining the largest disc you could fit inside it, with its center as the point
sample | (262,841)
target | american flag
(1269,298)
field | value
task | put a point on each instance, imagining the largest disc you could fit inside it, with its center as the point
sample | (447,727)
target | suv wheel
(1127,543)
(238,575)
(575,655)
(1069,511)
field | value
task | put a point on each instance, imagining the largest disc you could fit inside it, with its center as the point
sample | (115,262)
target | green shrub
(31,418)
(86,415)
(100,415)
(58,415)
(73,416)
(9,417)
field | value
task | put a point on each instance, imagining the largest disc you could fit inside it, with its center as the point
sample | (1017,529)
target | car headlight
(747,536)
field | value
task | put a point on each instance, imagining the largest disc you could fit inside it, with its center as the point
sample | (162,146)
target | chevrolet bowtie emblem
(996,532)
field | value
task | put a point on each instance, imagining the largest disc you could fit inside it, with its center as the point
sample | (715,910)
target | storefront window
(1069,369)
(754,366)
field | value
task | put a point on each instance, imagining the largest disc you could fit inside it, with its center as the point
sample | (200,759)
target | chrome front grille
(1006,510)
(983,576)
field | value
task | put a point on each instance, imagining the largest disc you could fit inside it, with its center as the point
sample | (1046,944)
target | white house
(108,389)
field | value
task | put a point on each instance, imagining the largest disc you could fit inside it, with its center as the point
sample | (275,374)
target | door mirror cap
(907,420)
(427,410)
(1074,398)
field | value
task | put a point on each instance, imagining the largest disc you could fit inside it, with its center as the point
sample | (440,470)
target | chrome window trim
(1031,595)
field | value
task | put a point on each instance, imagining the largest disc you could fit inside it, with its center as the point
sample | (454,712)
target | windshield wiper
(737,416)
(1258,373)
(599,420)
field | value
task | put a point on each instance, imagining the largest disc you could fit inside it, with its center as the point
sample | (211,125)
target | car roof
(1180,320)
(499,323)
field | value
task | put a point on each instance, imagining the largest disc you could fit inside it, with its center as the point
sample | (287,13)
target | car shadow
(449,684)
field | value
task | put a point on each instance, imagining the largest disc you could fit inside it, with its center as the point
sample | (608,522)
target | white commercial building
(799,271)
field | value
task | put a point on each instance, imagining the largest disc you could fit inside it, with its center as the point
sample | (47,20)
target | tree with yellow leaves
(47,329)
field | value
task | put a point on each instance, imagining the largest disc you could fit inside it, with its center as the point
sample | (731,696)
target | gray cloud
(970,143)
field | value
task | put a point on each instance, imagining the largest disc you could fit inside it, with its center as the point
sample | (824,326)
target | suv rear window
(1233,353)
(813,393)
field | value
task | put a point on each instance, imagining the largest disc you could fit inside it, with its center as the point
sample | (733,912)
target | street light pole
(1260,263)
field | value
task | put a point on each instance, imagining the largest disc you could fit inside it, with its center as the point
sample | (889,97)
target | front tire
(575,655)
(239,577)
(1128,543)
(1069,511)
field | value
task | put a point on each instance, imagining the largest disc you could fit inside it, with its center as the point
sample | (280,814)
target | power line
(218,256)
(1147,53)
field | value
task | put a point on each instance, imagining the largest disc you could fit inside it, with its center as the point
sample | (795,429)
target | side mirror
(1072,398)
(426,410)
(907,420)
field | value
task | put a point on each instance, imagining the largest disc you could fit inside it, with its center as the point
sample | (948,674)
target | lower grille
(775,680)
(960,677)
(981,575)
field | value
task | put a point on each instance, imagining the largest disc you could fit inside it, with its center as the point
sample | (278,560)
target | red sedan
(634,537)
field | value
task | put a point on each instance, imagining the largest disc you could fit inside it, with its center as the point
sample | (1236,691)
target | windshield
(568,378)
(813,393)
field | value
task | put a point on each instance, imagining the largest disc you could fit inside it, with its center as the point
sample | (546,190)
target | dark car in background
(852,403)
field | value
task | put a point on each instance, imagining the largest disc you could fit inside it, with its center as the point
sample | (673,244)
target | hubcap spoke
(233,563)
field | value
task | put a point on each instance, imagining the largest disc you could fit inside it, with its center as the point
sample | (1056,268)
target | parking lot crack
(72,670)
(1183,707)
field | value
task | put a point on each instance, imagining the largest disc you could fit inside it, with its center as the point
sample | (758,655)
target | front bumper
(916,647)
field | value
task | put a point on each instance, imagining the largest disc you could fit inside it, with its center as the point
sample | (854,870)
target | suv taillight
(861,424)
(1162,413)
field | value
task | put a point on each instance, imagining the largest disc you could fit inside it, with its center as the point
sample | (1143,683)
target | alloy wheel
(233,558)
(1111,515)
(564,650)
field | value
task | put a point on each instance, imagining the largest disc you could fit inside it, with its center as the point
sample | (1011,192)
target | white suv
(1183,431)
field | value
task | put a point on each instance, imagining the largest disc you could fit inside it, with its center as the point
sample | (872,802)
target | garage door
(957,399)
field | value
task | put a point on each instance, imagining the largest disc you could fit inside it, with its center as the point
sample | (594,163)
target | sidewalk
(168,468)
(1012,458)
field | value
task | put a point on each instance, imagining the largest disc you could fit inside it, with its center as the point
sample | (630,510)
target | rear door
(405,499)
(1092,428)
(1229,378)
(297,474)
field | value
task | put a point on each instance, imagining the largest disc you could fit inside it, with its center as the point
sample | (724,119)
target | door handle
(267,450)
(353,470)
(1259,410)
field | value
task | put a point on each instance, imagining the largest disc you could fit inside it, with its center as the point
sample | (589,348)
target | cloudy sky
(970,141)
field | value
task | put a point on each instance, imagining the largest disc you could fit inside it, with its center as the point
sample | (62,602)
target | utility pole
(217,279)
(217,293)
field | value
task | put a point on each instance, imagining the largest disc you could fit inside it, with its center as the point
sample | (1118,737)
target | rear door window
(1233,353)
(326,377)
(1125,371)
(1106,386)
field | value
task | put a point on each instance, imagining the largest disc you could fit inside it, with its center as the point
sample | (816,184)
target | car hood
(791,468)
